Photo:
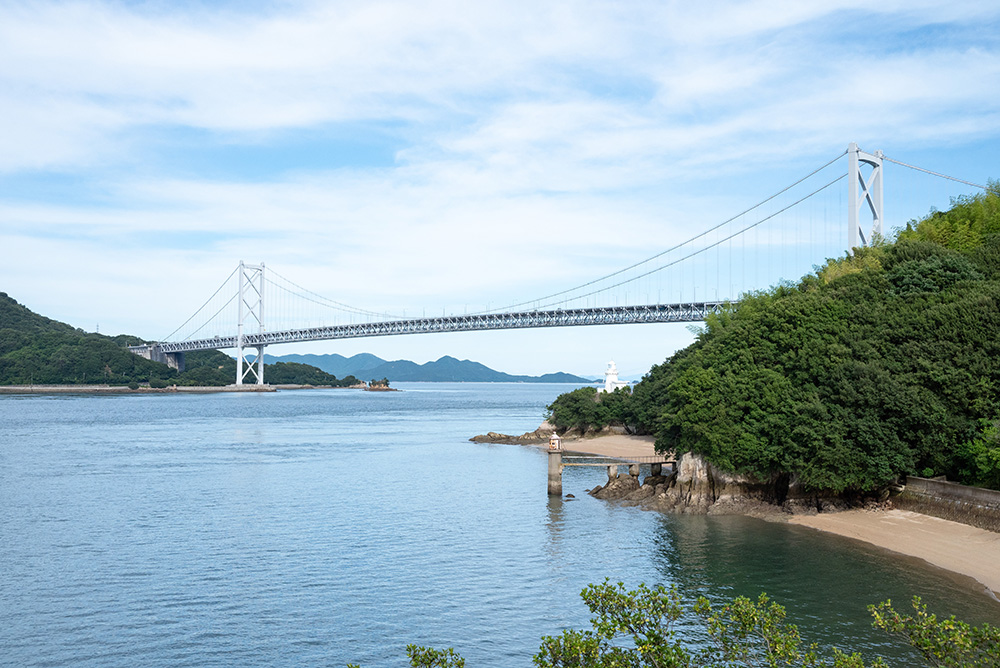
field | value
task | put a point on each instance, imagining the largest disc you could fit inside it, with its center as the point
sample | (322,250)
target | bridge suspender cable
(943,176)
(167,338)
(327,302)
(212,317)
(683,243)
(700,250)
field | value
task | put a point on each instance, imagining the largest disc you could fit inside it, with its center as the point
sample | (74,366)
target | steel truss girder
(607,315)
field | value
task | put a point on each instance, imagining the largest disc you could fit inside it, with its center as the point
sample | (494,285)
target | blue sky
(449,155)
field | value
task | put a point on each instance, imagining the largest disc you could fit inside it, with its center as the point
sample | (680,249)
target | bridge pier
(555,472)
(154,353)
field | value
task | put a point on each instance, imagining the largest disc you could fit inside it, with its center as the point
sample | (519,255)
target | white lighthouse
(611,382)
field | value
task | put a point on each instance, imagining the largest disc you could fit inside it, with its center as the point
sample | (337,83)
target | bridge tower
(863,191)
(251,310)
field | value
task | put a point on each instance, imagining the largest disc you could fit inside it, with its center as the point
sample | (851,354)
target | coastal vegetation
(638,628)
(35,350)
(881,363)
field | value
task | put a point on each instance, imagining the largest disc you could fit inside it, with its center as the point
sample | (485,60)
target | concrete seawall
(947,500)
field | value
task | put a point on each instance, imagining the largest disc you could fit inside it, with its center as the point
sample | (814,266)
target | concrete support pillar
(612,472)
(655,469)
(555,472)
(633,470)
(175,361)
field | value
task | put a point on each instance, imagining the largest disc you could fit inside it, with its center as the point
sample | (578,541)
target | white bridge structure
(592,303)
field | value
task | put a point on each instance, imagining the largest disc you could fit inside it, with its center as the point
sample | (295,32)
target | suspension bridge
(780,238)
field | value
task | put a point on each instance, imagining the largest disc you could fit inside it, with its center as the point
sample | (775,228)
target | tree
(882,363)
(636,629)
(950,643)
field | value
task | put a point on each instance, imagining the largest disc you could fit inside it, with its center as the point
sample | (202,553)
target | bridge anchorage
(572,307)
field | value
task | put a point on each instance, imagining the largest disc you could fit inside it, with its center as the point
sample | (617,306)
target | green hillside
(882,363)
(35,349)
(40,351)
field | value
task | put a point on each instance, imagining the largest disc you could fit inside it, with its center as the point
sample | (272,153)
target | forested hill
(882,363)
(445,369)
(40,351)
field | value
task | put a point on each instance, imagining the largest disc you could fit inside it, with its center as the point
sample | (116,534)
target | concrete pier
(556,465)
(555,472)
(154,353)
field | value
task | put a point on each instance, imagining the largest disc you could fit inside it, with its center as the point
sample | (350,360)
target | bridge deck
(607,315)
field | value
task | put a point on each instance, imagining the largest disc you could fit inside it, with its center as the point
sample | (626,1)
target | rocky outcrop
(540,435)
(545,430)
(696,486)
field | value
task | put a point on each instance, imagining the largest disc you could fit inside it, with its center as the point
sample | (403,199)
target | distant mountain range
(365,366)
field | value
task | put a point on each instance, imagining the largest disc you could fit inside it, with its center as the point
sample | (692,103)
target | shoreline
(951,546)
(954,547)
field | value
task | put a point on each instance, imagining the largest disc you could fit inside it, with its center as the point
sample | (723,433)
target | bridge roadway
(605,315)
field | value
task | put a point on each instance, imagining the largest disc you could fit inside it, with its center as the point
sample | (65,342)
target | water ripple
(318,528)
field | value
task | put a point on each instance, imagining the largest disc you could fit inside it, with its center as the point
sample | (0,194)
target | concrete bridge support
(154,353)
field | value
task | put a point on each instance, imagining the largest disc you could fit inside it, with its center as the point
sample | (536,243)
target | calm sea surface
(313,528)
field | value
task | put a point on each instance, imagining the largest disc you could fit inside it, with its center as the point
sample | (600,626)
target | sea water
(318,527)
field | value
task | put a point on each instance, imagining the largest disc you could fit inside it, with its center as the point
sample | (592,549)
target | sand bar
(953,546)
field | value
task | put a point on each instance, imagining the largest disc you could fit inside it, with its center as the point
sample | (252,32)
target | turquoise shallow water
(327,526)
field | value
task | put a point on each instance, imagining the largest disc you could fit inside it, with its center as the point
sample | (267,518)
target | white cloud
(538,145)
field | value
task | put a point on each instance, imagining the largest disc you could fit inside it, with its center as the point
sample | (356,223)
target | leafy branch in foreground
(950,643)
(637,629)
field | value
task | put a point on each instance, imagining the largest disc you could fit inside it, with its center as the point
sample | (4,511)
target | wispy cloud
(529,145)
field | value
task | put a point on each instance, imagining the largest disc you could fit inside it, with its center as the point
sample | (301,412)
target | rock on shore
(544,431)
(696,486)
(540,435)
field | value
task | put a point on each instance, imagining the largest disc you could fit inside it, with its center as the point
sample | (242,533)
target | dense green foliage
(35,349)
(637,629)
(295,373)
(881,363)
(585,407)
(40,351)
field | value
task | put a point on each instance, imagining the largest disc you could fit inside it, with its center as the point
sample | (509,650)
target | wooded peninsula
(881,363)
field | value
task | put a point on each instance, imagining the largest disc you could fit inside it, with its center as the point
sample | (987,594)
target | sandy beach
(953,546)
(612,446)
(950,545)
